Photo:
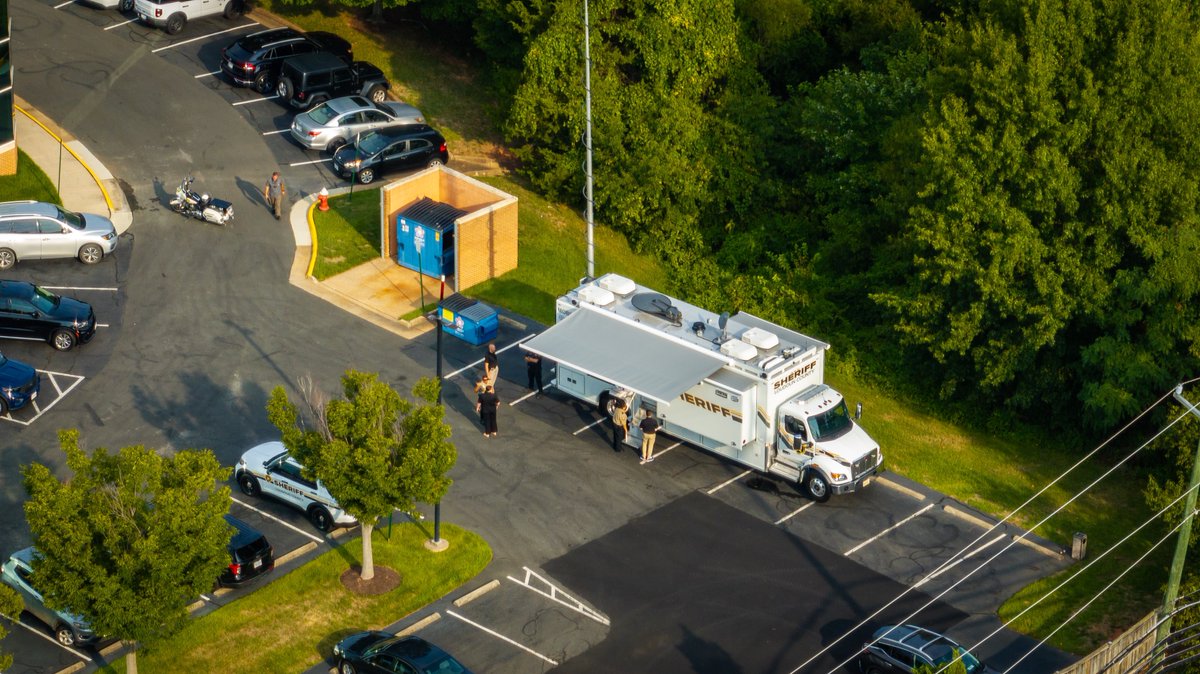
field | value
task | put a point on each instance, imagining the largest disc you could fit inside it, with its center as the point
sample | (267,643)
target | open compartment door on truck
(623,354)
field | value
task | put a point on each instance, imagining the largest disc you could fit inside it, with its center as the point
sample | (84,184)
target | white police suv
(268,469)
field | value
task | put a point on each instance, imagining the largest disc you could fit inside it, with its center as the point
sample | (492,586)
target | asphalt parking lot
(203,324)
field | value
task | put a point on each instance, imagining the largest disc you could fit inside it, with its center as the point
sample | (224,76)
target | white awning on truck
(626,355)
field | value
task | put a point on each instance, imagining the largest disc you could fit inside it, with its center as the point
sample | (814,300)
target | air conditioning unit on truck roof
(737,386)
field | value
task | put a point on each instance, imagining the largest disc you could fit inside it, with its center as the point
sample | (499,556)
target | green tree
(375,451)
(131,539)
(11,606)
(1056,223)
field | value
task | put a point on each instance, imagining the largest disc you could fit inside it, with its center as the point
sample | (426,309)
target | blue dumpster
(469,319)
(425,237)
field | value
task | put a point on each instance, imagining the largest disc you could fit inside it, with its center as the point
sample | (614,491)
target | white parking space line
(38,411)
(960,560)
(64,4)
(315,161)
(47,637)
(272,133)
(594,423)
(502,637)
(205,37)
(795,512)
(885,531)
(286,524)
(256,100)
(726,483)
(477,363)
(664,451)
(111,290)
(202,75)
(123,23)
(554,593)
(523,398)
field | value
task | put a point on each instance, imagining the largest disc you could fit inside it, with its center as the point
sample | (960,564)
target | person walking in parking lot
(491,365)
(486,406)
(274,192)
(649,426)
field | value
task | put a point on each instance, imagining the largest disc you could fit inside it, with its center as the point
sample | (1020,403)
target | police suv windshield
(830,424)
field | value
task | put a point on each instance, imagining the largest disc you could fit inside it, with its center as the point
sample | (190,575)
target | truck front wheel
(817,486)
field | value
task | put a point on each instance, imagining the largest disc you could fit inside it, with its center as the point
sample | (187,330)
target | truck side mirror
(858,411)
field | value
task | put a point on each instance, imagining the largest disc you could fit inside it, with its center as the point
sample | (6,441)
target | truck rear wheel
(817,486)
(606,405)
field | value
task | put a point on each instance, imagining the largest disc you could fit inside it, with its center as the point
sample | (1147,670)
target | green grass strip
(293,623)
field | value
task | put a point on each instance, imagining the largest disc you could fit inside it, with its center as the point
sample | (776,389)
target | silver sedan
(336,122)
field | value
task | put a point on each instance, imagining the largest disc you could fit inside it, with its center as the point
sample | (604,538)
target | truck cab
(817,436)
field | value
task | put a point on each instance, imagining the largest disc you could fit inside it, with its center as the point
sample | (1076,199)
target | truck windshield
(830,424)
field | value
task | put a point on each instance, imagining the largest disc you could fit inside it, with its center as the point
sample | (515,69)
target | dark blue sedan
(383,653)
(19,384)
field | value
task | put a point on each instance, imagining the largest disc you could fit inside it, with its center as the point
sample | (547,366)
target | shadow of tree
(706,656)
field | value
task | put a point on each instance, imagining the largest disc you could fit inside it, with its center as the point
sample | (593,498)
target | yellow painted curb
(312,234)
(107,199)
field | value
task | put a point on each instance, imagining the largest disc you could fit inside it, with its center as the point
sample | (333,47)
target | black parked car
(19,384)
(383,653)
(309,79)
(255,60)
(902,648)
(395,149)
(249,552)
(30,312)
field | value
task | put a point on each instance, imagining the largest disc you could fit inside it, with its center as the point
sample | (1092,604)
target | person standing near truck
(649,427)
(620,422)
(533,367)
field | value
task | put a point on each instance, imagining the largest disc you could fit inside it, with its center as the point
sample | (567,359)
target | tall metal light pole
(1181,543)
(587,141)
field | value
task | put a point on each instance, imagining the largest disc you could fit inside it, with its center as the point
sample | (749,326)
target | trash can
(1079,546)
(468,319)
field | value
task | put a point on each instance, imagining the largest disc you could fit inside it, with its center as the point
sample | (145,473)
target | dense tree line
(994,200)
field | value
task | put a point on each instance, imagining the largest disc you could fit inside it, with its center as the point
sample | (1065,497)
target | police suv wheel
(248,484)
(320,518)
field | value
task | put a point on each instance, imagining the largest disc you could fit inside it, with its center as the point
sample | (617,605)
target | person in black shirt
(533,367)
(491,365)
(486,406)
(649,427)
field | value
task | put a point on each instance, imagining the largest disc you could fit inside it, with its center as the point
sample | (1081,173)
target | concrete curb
(477,593)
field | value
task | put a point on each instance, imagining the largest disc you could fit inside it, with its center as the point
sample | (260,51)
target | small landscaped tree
(130,539)
(375,451)
(10,606)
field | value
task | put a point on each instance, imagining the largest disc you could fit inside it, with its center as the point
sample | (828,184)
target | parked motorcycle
(200,206)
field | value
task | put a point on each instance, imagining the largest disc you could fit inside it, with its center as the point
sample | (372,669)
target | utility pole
(1181,544)
(587,141)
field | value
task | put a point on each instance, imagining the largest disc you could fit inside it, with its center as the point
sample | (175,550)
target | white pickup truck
(173,15)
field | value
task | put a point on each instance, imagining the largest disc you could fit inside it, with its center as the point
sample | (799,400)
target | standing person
(273,192)
(533,367)
(620,422)
(491,365)
(486,405)
(649,428)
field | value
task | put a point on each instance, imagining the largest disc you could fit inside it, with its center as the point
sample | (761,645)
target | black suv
(309,79)
(30,312)
(255,60)
(395,149)
(250,554)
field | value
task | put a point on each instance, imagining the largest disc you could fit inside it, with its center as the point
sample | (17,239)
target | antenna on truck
(721,323)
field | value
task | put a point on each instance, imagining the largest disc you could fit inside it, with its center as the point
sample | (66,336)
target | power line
(1078,572)
(1106,588)
(953,559)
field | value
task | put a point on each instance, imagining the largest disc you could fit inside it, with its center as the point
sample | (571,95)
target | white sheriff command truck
(737,386)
